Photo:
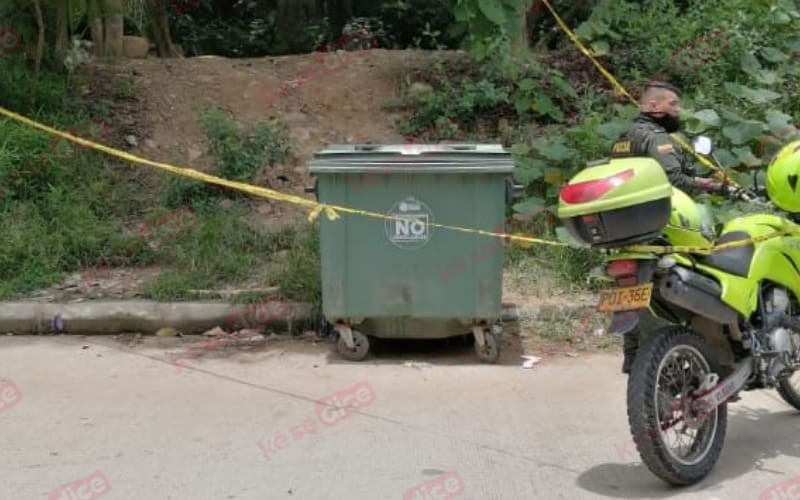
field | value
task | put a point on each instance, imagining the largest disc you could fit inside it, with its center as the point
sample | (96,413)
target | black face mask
(670,123)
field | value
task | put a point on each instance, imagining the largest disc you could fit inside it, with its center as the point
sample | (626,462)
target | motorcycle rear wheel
(667,370)
(789,389)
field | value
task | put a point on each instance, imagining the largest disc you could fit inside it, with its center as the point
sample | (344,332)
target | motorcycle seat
(734,260)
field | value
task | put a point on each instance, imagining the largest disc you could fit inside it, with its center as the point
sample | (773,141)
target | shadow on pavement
(753,436)
(450,351)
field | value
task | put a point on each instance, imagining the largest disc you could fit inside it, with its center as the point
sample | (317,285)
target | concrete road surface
(96,418)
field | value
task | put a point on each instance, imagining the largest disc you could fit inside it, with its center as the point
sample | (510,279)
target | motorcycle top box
(616,202)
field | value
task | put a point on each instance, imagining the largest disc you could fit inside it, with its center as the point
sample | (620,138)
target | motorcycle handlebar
(746,195)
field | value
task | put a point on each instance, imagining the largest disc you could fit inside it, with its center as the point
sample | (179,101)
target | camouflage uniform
(647,138)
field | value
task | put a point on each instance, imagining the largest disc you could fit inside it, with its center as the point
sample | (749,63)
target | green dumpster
(401,276)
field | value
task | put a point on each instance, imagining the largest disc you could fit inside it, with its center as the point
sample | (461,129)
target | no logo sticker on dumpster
(410,226)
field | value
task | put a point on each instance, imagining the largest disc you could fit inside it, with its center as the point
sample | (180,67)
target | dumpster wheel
(359,342)
(487,344)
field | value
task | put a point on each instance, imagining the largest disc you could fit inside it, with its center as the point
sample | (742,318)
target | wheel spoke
(681,373)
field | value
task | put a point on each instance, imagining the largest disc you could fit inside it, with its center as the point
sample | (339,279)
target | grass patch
(122,88)
(220,247)
(299,276)
(548,270)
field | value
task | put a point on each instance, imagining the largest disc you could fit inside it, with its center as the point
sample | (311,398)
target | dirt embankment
(319,102)
(348,103)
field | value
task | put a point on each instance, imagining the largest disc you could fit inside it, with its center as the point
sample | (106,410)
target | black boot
(630,344)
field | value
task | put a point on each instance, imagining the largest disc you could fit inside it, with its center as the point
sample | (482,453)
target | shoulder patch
(665,148)
(622,147)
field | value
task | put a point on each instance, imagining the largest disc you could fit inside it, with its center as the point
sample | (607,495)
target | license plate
(625,299)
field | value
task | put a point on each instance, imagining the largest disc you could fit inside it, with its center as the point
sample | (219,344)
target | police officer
(649,136)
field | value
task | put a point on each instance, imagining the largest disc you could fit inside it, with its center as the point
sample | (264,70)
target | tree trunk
(157,12)
(95,17)
(114,22)
(62,30)
(521,41)
(39,50)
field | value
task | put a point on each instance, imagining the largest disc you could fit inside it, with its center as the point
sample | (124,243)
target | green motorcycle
(730,318)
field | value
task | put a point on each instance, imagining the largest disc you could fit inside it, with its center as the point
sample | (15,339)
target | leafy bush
(488,24)
(15,85)
(498,88)
(254,28)
(239,157)
(736,60)
(738,95)
(545,162)
(420,24)
(249,30)
(363,33)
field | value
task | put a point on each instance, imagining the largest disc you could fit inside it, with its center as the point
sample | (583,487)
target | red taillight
(622,268)
(591,190)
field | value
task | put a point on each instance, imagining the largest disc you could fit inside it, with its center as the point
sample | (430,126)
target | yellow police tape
(330,210)
(725,177)
(668,249)
(315,206)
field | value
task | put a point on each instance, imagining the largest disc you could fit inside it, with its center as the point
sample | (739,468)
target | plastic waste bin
(401,277)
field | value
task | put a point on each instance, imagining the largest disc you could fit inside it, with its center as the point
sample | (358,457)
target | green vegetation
(65,209)
(299,276)
(221,248)
(522,82)
(239,156)
(259,28)
(737,62)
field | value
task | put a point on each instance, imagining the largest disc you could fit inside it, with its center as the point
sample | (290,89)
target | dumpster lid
(419,158)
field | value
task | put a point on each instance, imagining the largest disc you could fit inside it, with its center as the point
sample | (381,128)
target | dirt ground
(349,103)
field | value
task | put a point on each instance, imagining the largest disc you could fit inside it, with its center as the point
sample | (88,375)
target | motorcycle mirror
(702,145)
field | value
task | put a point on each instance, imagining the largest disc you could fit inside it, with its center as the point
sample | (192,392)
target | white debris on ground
(530,361)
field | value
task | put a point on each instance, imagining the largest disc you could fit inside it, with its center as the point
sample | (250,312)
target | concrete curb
(113,317)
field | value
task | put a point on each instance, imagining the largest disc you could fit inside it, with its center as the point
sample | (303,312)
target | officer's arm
(661,147)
